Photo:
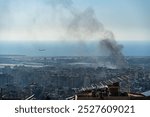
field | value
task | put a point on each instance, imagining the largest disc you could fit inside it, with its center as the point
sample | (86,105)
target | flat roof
(147,93)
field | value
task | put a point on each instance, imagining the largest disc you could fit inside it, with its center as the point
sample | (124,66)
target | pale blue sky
(41,20)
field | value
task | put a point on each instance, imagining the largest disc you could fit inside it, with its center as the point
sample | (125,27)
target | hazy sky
(73,27)
(46,20)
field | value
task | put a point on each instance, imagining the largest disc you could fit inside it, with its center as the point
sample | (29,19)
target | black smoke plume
(85,25)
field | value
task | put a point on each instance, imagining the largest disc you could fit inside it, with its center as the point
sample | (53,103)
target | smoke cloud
(110,46)
(81,25)
(85,25)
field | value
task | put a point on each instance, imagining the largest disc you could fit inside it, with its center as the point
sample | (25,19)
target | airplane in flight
(42,49)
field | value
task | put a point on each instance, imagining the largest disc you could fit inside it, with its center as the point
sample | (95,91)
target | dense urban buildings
(41,78)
